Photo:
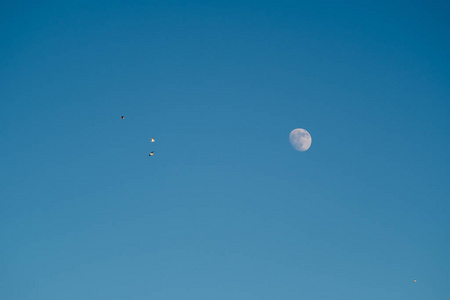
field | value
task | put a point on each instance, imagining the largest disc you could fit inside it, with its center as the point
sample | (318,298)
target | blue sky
(226,208)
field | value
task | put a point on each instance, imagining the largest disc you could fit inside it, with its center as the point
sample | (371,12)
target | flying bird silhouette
(122,117)
(150,154)
(153,140)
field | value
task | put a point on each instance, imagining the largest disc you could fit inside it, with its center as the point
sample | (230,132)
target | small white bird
(415,281)
(150,154)
(153,140)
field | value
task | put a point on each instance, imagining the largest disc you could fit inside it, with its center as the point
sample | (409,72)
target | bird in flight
(150,154)
(153,140)
(415,281)
(122,117)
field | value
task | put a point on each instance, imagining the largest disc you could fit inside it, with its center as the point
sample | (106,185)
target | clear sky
(226,208)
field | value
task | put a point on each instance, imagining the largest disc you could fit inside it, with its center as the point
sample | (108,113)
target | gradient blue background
(226,209)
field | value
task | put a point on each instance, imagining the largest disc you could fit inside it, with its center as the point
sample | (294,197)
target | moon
(300,139)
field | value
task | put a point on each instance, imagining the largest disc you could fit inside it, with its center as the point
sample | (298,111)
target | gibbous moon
(300,139)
